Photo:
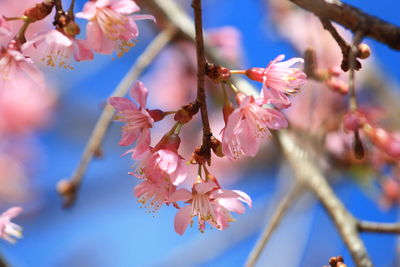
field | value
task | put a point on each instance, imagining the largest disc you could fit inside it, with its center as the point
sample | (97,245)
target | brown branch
(201,74)
(351,18)
(68,188)
(280,211)
(3,262)
(387,228)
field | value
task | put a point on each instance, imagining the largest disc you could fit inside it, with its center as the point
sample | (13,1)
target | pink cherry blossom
(16,69)
(4,27)
(247,125)
(111,25)
(209,204)
(57,48)
(9,230)
(279,79)
(137,119)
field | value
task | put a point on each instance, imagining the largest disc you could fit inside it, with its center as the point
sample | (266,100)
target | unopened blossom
(16,69)
(57,49)
(4,27)
(279,79)
(111,24)
(136,117)
(209,204)
(247,125)
(9,230)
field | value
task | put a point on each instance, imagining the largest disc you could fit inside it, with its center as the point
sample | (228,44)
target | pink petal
(88,12)
(122,104)
(139,93)
(232,204)
(180,174)
(97,40)
(223,193)
(205,187)
(182,220)
(142,17)
(12,212)
(82,51)
(128,137)
(244,197)
(125,7)
(180,195)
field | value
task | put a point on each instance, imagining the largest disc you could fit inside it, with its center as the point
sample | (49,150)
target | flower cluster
(9,230)
(162,170)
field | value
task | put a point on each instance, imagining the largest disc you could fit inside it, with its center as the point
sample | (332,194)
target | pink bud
(157,114)
(352,121)
(256,74)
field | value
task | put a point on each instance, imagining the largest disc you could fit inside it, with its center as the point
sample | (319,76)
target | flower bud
(353,120)
(169,141)
(157,114)
(359,150)
(217,73)
(216,147)
(363,51)
(256,74)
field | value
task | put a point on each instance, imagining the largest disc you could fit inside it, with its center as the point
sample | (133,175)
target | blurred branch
(93,146)
(308,173)
(353,18)
(280,211)
(3,262)
(390,228)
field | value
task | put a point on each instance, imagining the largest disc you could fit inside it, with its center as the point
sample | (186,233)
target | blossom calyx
(185,114)
(353,120)
(217,73)
(216,147)
(157,114)
(39,11)
(169,141)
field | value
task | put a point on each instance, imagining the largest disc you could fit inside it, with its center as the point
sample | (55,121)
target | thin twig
(201,74)
(103,123)
(387,228)
(351,18)
(353,105)
(276,218)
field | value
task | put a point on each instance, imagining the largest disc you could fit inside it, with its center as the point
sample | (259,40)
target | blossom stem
(21,33)
(233,87)
(14,18)
(237,71)
(201,74)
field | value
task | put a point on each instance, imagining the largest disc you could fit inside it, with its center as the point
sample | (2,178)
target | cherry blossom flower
(247,125)
(209,204)
(4,27)
(58,48)
(9,230)
(111,24)
(137,119)
(279,78)
(16,69)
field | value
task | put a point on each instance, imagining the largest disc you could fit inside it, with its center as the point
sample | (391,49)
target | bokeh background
(107,227)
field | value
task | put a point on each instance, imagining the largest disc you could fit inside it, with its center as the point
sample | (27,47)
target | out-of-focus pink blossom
(9,230)
(279,79)
(111,24)
(16,69)
(209,204)
(57,49)
(137,119)
(5,29)
(227,40)
(247,125)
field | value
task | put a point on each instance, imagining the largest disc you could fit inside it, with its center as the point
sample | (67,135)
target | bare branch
(387,228)
(307,172)
(96,138)
(280,211)
(352,18)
